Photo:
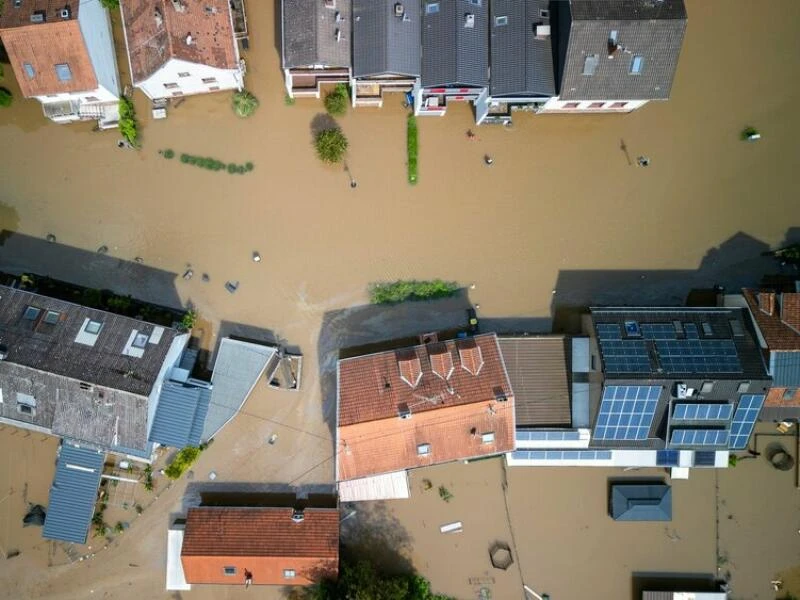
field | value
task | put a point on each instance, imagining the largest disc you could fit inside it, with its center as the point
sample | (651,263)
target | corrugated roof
(452,53)
(537,368)
(383,42)
(641,502)
(785,369)
(650,33)
(180,415)
(73,493)
(522,62)
(316,35)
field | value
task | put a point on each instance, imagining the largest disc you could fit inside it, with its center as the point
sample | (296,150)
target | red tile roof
(377,386)
(775,398)
(20,16)
(263,541)
(156,31)
(777,317)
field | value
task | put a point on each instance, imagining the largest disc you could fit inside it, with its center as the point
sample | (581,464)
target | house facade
(315,45)
(614,57)
(62,55)
(386,49)
(455,56)
(436,402)
(179,48)
(650,387)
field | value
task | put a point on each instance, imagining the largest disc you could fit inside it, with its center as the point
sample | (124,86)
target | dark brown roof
(379,386)
(156,31)
(537,368)
(777,317)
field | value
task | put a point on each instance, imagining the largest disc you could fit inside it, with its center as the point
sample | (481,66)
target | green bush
(412,147)
(5,97)
(183,460)
(288,100)
(188,320)
(212,164)
(168,154)
(398,291)
(128,126)
(244,103)
(331,145)
(336,101)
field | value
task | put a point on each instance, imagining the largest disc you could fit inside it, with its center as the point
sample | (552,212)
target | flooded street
(561,197)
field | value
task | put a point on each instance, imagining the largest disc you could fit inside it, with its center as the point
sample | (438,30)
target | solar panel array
(562,455)
(625,356)
(690,329)
(626,412)
(699,437)
(702,412)
(744,419)
(658,331)
(698,356)
(608,331)
(667,458)
(705,458)
(547,436)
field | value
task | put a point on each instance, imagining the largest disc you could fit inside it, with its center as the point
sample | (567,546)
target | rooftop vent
(297,516)
(330,3)
(471,357)
(403,411)
(429,338)
(469,20)
(65,14)
(211,10)
(399,10)
(37,17)
(3,352)
(158,17)
(441,361)
(410,368)
(178,6)
(189,39)
(542,32)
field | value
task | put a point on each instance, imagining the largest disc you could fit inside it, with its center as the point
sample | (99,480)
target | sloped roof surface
(453,53)
(180,415)
(310,33)
(641,502)
(384,43)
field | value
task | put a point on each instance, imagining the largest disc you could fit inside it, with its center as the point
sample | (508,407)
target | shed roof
(454,53)
(314,34)
(385,42)
(73,493)
(180,415)
(641,502)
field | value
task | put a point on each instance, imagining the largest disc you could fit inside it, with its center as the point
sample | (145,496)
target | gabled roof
(521,60)
(386,40)
(316,34)
(649,36)
(56,40)
(641,502)
(777,317)
(73,493)
(263,541)
(157,31)
(454,53)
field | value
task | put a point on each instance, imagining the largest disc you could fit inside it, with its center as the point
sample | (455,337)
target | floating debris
(51,238)
(232,286)
(488,160)
(643,161)
(205,277)
(256,257)
(272,439)
(750,134)
(102,249)
(188,274)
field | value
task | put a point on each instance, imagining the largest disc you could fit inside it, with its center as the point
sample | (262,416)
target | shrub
(398,291)
(288,100)
(244,103)
(188,320)
(183,460)
(119,527)
(411,143)
(5,97)
(249,166)
(445,494)
(128,126)
(168,154)
(336,101)
(331,145)
(138,508)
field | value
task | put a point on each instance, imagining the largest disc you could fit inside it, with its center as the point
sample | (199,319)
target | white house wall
(556,105)
(101,94)
(95,25)
(155,85)
(173,356)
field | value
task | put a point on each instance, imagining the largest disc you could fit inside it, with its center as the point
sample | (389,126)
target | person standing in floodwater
(643,161)
(488,160)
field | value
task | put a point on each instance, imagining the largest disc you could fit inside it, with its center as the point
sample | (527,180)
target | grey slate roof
(309,33)
(522,65)
(237,368)
(181,414)
(453,54)
(537,369)
(384,43)
(785,368)
(648,29)
(73,493)
(640,502)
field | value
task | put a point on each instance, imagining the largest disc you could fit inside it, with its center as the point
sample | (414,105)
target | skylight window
(52,317)
(31,313)
(29,70)
(63,72)
(140,341)
(487,438)
(431,8)
(590,64)
(423,449)
(93,327)
(500,21)
(637,65)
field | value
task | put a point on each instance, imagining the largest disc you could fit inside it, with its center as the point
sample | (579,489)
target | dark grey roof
(63,348)
(384,43)
(785,369)
(73,493)
(537,369)
(640,502)
(181,414)
(648,29)
(310,33)
(522,62)
(453,54)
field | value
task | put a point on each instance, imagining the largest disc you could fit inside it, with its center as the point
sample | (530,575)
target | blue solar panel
(562,455)
(702,412)
(608,331)
(699,437)
(658,331)
(744,419)
(625,356)
(698,356)
(626,412)
(691,331)
(667,458)
(705,458)
(547,436)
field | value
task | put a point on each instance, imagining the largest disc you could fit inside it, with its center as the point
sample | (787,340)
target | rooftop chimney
(297,516)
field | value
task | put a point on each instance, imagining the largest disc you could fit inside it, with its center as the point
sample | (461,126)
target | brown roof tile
(156,32)
(375,386)
(265,541)
(775,398)
(20,16)
(777,327)
(43,46)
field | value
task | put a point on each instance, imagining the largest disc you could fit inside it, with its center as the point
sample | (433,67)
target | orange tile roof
(156,32)
(379,386)
(44,45)
(453,433)
(20,16)
(263,541)
(775,398)
(778,320)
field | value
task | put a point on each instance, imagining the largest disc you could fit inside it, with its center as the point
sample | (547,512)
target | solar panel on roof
(608,331)
(699,437)
(698,356)
(691,331)
(744,419)
(658,331)
(625,356)
(702,412)
(667,458)
(626,412)
(705,458)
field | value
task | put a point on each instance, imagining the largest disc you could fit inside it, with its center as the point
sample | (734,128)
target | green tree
(110,4)
(331,145)
(336,101)
(244,103)
(5,97)
(128,126)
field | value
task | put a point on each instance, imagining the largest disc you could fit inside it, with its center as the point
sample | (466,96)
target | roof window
(487,438)
(63,72)
(93,327)
(423,449)
(590,64)
(500,21)
(637,65)
(140,341)
(431,8)
(52,317)
(29,70)
(31,313)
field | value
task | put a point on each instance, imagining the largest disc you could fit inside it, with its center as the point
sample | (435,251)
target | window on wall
(619,105)
(572,105)
(289,574)
(63,72)
(423,449)
(431,8)
(229,570)
(209,80)
(487,438)
(177,93)
(171,86)
(597,105)
(500,21)
(788,394)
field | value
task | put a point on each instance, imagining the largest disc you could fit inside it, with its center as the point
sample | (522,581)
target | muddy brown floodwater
(560,196)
